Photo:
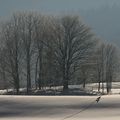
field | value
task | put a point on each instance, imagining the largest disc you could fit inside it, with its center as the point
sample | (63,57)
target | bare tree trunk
(102,87)
(5,84)
(28,74)
(40,68)
(36,70)
(99,86)
(84,83)
(65,85)
(17,80)
(65,76)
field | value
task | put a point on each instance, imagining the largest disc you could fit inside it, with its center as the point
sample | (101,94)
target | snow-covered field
(59,108)
(89,87)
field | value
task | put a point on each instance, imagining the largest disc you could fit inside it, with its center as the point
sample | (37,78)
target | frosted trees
(74,41)
(52,50)
(106,64)
(11,36)
(111,65)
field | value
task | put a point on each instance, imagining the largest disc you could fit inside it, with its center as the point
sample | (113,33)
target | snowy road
(59,108)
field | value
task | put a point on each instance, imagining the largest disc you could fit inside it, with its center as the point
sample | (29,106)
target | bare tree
(12,43)
(111,64)
(27,36)
(106,61)
(4,82)
(73,43)
(45,50)
(100,65)
(39,38)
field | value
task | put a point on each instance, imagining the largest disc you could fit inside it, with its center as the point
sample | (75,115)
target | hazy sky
(95,18)
(50,6)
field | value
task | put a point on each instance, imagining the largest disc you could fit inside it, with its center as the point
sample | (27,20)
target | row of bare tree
(38,50)
(107,66)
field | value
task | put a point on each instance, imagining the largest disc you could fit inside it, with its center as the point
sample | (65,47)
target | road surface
(59,108)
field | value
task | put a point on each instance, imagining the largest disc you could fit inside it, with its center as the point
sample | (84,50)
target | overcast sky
(96,13)
(7,7)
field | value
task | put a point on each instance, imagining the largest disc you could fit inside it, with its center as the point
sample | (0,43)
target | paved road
(59,108)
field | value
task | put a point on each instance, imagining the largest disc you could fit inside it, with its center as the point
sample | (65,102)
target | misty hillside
(105,21)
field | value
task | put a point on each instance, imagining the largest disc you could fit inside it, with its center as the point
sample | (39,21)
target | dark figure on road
(98,99)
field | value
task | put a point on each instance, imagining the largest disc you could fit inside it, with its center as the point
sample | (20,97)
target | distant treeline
(39,50)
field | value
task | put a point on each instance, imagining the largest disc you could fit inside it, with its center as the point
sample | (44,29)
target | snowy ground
(59,108)
(89,87)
